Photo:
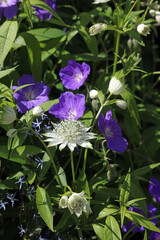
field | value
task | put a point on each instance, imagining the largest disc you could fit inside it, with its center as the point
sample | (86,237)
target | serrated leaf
(8,32)
(112,230)
(44,206)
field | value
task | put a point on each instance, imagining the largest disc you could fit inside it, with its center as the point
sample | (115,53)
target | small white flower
(115,86)
(69,133)
(78,204)
(7,115)
(97,28)
(37,111)
(143,29)
(93,94)
(63,203)
(152,12)
(157,16)
(100,1)
(121,103)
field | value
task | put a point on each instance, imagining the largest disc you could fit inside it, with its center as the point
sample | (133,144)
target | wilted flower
(154,189)
(113,134)
(30,96)
(70,106)
(7,114)
(157,16)
(74,75)
(69,133)
(121,103)
(97,28)
(100,1)
(78,204)
(63,203)
(8,8)
(38,111)
(143,29)
(93,94)
(115,86)
(43,14)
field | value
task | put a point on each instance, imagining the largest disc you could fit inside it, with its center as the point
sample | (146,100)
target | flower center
(78,76)
(30,95)
(72,114)
(108,132)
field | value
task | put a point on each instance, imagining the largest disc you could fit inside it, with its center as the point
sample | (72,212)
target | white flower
(157,16)
(7,115)
(37,111)
(115,86)
(63,203)
(100,1)
(121,103)
(152,12)
(93,94)
(78,204)
(97,28)
(69,133)
(143,29)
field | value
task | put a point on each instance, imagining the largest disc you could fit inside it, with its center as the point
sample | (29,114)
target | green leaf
(141,220)
(31,178)
(110,209)
(5,91)
(87,118)
(112,230)
(101,97)
(124,195)
(145,235)
(8,32)
(44,206)
(142,171)
(62,176)
(34,53)
(137,37)
(6,72)
(45,34)
(28,10)
(82,183)
(99,230)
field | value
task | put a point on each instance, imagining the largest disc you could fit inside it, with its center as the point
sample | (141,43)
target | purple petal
(101,123)
(151,208)
(112,128)
(1,12)
(108,115)
(116,143)
(25,79)
(10,12)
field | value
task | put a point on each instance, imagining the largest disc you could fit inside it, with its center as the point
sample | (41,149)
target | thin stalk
(72,167)
(116,52)
(85,159)
(134,4)
(49,154)
(144,15)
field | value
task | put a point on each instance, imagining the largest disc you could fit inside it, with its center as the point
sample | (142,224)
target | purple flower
(155,236)
(112,131)
(130,224)
(152,209)
(154,189)
(8,8)
(43,14)
(74,75)
(70,106)
(30,96)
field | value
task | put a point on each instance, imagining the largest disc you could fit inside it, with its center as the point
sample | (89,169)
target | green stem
(144,15)
(116,52)
(50,155)
(85,159)
(72,167)
(134,4)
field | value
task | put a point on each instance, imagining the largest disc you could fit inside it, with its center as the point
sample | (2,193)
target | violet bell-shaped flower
(112,131)
(70,106)
(30,96)
(8,8)
(74,75)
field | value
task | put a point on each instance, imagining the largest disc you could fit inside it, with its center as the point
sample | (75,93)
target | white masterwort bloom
(121,103)
(63,203)
(69,133)
(93,94)
(143,29)
(115,86)
(100,1)
(97,28)
(7,115)
(78,204)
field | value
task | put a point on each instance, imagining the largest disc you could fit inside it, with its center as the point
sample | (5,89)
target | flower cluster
(76,203)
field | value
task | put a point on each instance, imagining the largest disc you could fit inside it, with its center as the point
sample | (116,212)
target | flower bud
(143,29)
(121,103)
(7,115)
(100,1)
(37,111)
(157,16)
(63,203)
(152,12)
(115,86)
(97,28)
(93,94)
